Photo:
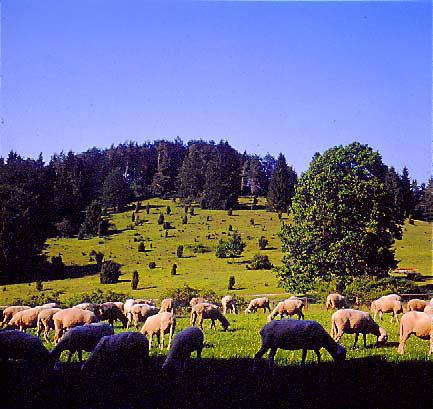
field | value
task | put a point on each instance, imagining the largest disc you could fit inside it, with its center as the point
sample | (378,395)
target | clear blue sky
(267,76)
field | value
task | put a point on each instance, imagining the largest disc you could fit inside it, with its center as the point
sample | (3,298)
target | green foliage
(260,262)
(185,219)
(263,242)
(182,295)
(103,227)
(141,247)
(115,190)
(230,228)
(90,225)
(166,225)
(110,272)
(152,265)
(39,285)
(64,228)
(97,296)
(134,281)
(198,248)
(161,219)
(57,267)
(179,251)
(191,211)
(147,208)
(233,246)
(168,210)
(98,257)
(343,220)
(173,269)
(252,221)
(230,212)
(232,282)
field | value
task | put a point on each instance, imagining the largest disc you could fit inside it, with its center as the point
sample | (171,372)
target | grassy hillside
(197,269)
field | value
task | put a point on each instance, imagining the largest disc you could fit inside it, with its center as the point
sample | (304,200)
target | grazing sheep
(89,306)
(131,302)
(45,321)
(159,325)
(69,318)
(335,302)
(119,304)
(229,304)
(125,351)
(109,311)
(287,307)
(394,296)
(81,338)
(418,323)
(9,312)
(349,321)
(16,344)
(25,319)
(429,309)
(184,343)
(140,313)
(197,300)
(386,304)
(262,302)
(297,334)
(51,305)
(204,311)
(167,305)
(417,305)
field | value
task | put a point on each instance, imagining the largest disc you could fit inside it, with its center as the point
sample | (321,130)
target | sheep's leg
(301,315)
(356,340)
(80,355)
(403,339)
(304,356)
(365,340)
(380,315)
(317,351)
(272,353)
(199,353)
(150,341)
(70,356)
(170,337)
(161,339)
(262,351)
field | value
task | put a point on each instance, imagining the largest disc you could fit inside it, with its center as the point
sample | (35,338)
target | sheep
(335,301)
(197,300)
(417,305)
(9,312)
(140,313)
(45,321)
(51,305)
(16,345)
(167,305)
(386,304)
(89,306)
(120,305)
(109,311)
(297,334)
(184,343)
(418,323)
(130,302)
(394,296)
(81,338)
(229,304)
(25,319)
(429,309)
(204,311)
(159,325)
(262,302)
(71,317)
(287,307)
(349,321)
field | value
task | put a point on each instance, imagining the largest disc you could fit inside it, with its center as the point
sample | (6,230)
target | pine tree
(393,183)
(406,192)
(90,225)
(115,190)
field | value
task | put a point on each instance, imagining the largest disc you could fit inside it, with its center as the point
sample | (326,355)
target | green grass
(199,270)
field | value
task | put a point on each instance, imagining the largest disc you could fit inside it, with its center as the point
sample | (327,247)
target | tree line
(71,192)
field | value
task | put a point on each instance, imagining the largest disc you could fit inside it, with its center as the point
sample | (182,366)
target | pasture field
(199,267)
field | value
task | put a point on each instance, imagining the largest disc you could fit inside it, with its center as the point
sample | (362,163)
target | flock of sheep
(81,328)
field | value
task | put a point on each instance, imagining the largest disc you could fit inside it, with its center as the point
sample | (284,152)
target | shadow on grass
(225,383)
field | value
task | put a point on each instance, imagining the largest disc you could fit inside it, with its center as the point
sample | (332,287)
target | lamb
(167,305)
(229,304)
(109,311)
(69,318)
(184,343)
(16,344)
(140,313)
(335,301)
(197,300)
(45,321)
(25,319)
(386,304)
(262,302)
(349,321)
(159,325)
(417,305)
(81,338)
(288,307)
(297,334)
(204,311)
(9,312)
(418,323)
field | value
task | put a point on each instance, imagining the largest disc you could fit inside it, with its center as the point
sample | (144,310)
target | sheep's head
(340,355)
(247,310)
(383,337)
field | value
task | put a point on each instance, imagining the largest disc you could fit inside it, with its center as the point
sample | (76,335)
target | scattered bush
(57,266)
(103,227)
(173,269)
(152,265)
(231,283)
(185,219)
(263,242)
(179,251)
(98,296)
(168,210)
(232,247)
(98,257)
(64,228)
(186,209)
(133,217)
(166,225)
(137,207)
(161,219)
(230,212)
(260,262)
(252,221)
(230,228)
(191,211)
(110,272)
(147,208)
(39,285)
(134,281)
(141,247)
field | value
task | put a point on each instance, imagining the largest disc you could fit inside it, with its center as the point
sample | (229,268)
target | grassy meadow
(199,267)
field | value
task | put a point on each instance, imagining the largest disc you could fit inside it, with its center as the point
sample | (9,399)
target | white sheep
(10,311)
(69,318)
(229,304)
(140,313)
(297,334)
(45,321)
(261,302)
(159,325)
(288,307)
(184,344)
(167,305)
(197,300)
(335,301)
(387,304)
(350,321)
(417,305)
(25,319)
(212,312)
(81,338)
(418,323)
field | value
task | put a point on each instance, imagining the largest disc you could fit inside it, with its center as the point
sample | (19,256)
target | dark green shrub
(231,283)
(263,242)
(152,265)
(168,210)
(147,208)
(141,247)
(230,212)
(232,247)
(260,262)
(39,285)
(166,225)
(161,219)
(191,211)
(134,281)
(57,266)
(179,251)
(103,227)
(110,272)
(137,206)
(185,219)
(173,269)
(80,235)
(133,217)
(230,228)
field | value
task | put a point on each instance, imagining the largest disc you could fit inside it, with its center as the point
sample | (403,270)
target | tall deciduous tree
(343,220)
(282,185)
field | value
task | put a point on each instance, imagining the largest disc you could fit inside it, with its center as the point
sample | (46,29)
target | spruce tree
(406,192)
(115,190)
